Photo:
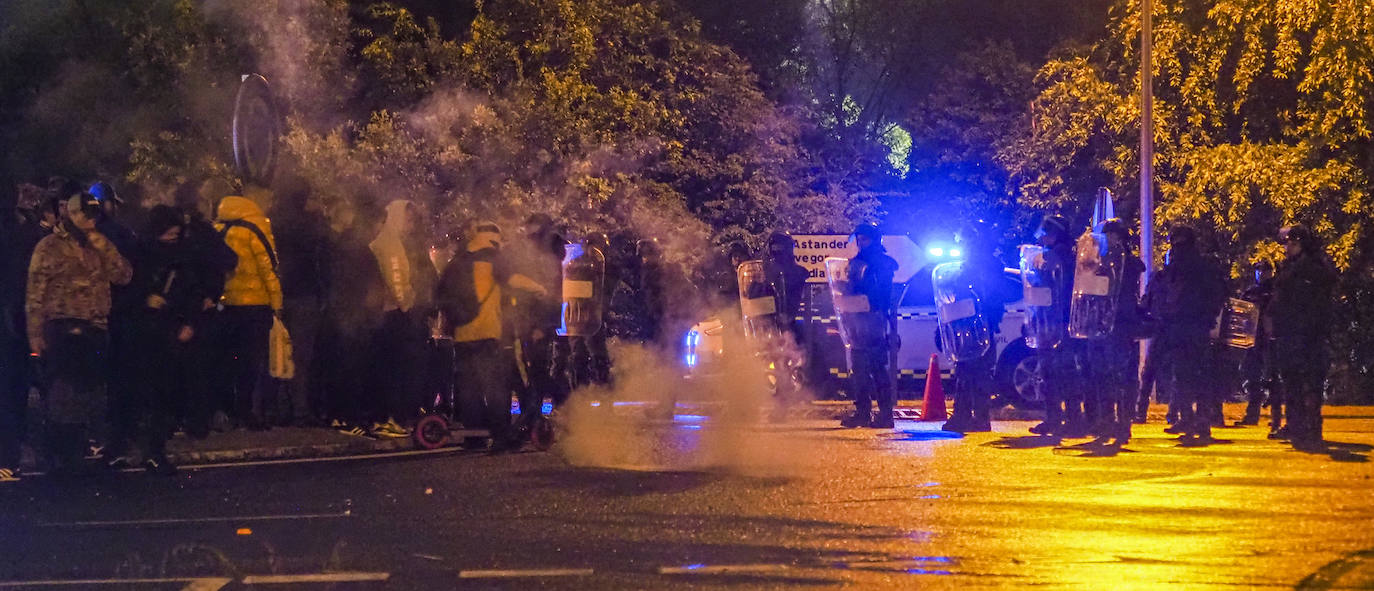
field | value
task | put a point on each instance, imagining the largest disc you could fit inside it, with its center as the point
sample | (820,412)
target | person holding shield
(869,322)
(981,278)
(1046,271)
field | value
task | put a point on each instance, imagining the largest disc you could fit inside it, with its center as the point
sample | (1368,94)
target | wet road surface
(799,504)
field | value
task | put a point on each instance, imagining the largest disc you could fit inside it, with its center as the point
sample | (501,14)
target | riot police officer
(1255,367)
(1112,359)
(870,275)
(1191,293)
(1063,405)
(973,378)
(1299,317)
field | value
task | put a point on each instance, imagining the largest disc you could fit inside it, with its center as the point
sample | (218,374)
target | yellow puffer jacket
(253,282)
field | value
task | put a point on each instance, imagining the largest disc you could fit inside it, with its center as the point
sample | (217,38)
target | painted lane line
(341,577)
(193,584)
(705,569)
(380,456)
(521,573)
(174,521)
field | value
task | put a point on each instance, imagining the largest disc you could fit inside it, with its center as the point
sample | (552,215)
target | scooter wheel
(542,435)
(431,432)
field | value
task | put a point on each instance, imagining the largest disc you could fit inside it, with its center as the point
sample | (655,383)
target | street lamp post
(1147,141)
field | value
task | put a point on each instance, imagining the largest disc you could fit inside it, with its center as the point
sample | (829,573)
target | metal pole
(1147,141)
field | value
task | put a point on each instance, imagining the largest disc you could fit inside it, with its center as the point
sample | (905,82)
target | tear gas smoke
(721,421)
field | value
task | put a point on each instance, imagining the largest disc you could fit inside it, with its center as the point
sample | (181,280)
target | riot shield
(584,274)
(1044,318)
(860,325)
(1092,310)
(1239,324)
(256,129)
(758,302)
(964,333)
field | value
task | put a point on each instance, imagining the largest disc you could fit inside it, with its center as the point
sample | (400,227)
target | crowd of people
(133,332)
(1091,385)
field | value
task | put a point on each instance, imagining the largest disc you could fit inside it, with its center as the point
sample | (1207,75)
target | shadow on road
(1355,453)
(1091,449)
(1025,442)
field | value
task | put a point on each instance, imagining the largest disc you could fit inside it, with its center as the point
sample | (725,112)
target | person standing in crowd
(470,297)
(1300,319)
(19,234)
(1255,368)
(1191,293)
(1063,400)
(538,255)
(252,297)
(168,282)
(782,269)
(213,261)
(973,378)
(303,244)
(68,308)
(871,274)
(357,294)
(1112,361)
(403,259)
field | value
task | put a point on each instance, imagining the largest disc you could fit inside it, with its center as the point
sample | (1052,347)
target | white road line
(173,521)
(343,577)
(706,569)
(393,454)
(193,584)
(519,573)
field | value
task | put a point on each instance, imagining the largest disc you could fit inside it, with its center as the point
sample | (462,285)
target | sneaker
(393,427)
(9,475)
(856,420)
(119,463)
(384,430)
(159,466)
(94,450)
(354,431)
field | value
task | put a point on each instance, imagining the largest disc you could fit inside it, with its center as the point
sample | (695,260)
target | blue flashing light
(690,427)
(694,566)
(936,251)
(689,418)
(956,253)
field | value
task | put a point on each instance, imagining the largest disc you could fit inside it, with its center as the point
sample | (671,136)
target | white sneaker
(385,430)
(9,475)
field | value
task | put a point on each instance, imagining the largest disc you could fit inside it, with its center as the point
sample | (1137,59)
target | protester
(1191,293)
(470,297)
(304,248)
(214,260)
(252,296)
(872,331)
(19,234)
(357,294)
(1300,319)
(402,256)
(68,307)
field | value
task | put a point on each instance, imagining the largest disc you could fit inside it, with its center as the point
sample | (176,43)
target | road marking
(173,521)
(193,584)
(519,573)
(343,577)
(394,454)
(705,569)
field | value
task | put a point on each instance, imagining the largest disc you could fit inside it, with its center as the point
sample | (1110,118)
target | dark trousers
(304,400)
(482,376)
(537,355)
(163,372)
(1148,377)
(1109,369)
(1063,400)
(973,385)
(1301,384)
(400,367)
(245,388)
(1185,370)
(1256,382)
(872,382)
(14,386)
(75,369)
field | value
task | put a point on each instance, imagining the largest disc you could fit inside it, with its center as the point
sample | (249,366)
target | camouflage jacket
(69,280)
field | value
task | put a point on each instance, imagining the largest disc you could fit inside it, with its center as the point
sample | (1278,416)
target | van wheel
(1020,381)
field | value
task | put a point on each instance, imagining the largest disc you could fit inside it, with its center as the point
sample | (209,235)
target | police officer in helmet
(871,274)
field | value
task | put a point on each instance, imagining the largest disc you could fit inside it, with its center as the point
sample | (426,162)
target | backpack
(456,295)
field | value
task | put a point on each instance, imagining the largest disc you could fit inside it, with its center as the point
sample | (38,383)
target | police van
(1018,377)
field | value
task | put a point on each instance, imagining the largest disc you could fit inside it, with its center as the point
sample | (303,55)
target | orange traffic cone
(933,406)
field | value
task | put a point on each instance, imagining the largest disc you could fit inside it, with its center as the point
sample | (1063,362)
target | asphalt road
(710,505)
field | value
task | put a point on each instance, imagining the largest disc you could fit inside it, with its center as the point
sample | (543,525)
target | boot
(883,420)
(1046,428)
(1252,416)
(857,420)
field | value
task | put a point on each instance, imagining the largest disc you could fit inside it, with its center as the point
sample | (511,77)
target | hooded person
(470,296)
(67,319)
(410,279)
(252,297)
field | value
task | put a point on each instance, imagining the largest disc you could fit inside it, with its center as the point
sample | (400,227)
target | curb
(293,452)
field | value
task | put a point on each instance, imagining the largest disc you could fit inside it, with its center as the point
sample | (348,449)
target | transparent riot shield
(860,325)
(758,302)
(584,273)
(1044,317)
(964,333)
(1239,324)
(1092,309)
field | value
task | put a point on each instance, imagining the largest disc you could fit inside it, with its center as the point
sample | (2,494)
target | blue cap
(103,192)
